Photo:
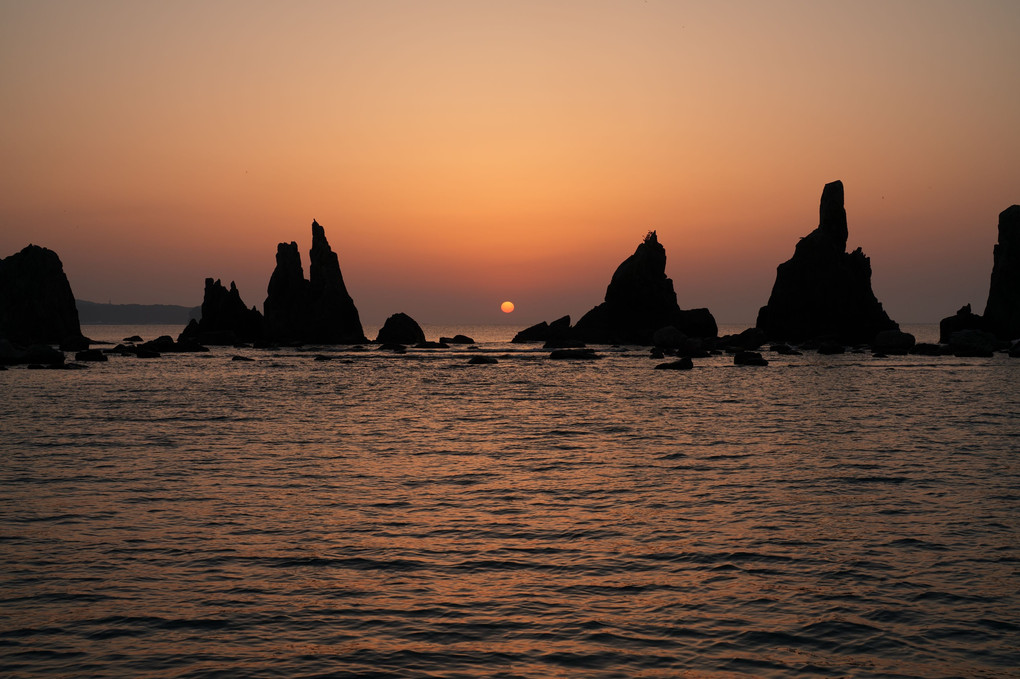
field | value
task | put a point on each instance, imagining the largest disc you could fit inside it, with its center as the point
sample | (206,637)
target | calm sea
(382,515)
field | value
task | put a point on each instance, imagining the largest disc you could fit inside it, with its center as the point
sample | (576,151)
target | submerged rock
(400,329)
(823,290)
(574,355)
(317,310)
(90,355)
(682,364)
(482,360)
(36,302)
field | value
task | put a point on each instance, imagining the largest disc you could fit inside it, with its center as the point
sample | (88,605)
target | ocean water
(382,515)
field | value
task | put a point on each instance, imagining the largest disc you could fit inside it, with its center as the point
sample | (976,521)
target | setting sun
(507,307)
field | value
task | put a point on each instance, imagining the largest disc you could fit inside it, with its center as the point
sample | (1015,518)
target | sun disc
(507,307)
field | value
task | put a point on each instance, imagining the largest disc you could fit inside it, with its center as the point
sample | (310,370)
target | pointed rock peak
(831,213)
(317,232)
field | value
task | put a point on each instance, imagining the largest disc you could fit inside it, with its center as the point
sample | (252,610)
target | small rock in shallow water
(482,360)
(682,364)
(749,358)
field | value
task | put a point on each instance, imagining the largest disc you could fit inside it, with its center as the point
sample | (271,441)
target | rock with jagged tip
(964,319)
(544,332)
(823,290)
(36,302)
(400,329)
(225,318)
(316,310)
(640,299)
(1002,311)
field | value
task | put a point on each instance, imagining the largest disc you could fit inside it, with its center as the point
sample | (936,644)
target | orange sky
(463,153)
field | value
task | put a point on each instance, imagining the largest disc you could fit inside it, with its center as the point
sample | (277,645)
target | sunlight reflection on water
(416,516)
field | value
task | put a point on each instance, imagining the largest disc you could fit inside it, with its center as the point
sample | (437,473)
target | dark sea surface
(382,515)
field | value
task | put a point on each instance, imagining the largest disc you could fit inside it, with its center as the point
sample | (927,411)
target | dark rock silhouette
(544,332)
(91,355)
(482,360)
(36,302)
(1002,311)
(33,354)
(456,339)
(431,345)
(964,319)
(315,310)
(640,300)
(893,342)
(824,291)
(973,343)
(400,329)
(225,318)
(165,344)
(749,358)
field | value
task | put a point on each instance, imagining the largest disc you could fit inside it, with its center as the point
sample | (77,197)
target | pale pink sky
(463,153)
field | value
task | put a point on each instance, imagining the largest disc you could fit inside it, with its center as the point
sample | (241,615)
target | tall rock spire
(1002,312)
(316,310)
(824,291)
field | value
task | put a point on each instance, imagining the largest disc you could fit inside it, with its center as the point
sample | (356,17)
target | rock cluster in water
(225,318)
(36,302)
(318,309)
(823,291)
(640,300)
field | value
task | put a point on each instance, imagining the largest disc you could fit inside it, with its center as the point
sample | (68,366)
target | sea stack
(1002,312)
(225,318)
(36,302)
(640,300)
(318,310)
(823,291)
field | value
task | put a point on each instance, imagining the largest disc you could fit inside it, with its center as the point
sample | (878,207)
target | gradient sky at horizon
(460,154)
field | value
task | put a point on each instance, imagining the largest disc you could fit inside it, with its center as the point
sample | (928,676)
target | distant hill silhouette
(96,313)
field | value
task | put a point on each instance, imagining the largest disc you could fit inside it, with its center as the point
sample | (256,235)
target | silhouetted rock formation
(964,319)
(456,339)
(36,302)
(823,291)
(400,329)
(544,332)
(482,360)
(893,343)
(640,300)
(749,358)
(1002,311)
(225,318)
(315,310)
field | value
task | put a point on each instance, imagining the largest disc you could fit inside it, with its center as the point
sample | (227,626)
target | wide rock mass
(36,302)
(639,301)
(1002,311)
(225,318)
(400,329)
(823,291)
(316,310)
